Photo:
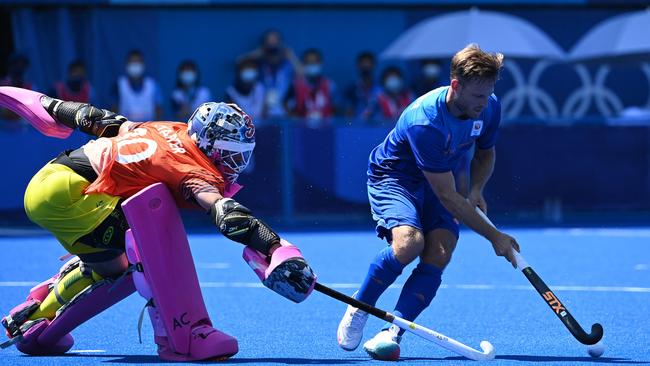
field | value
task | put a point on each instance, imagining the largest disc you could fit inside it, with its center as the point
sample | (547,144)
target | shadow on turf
(153,359)
(543,359)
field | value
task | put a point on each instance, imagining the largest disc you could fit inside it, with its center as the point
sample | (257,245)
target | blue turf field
(601,275)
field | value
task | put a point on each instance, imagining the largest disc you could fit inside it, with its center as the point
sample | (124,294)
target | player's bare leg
(439,247)
(408,243)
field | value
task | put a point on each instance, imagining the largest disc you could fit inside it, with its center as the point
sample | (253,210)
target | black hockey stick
(553,302)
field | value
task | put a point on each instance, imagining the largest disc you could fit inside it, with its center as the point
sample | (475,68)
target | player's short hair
(246,62)
(472,63)
(366,55)
(134,53)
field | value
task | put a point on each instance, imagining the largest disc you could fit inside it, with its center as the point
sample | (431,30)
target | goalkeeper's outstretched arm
(84,117)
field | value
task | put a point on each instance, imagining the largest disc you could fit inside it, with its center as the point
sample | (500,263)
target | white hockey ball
(596,350)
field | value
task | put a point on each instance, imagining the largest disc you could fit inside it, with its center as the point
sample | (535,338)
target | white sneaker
(385,345)
(350,329)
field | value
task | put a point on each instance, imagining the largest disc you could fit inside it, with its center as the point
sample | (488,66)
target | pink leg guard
(18,327)
(17,322)
(157,245)
(19,313)
(288,274)
(27,104)
(44,337)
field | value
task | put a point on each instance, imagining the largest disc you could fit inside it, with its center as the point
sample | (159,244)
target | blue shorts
(392,204)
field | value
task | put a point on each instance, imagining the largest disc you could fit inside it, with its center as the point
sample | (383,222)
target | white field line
(612,232)
(215,265)
(626,289)
(87,351)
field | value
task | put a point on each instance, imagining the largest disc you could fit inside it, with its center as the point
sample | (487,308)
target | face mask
(248,75)
(187,77)
(75,83)
(272,50)
(393,83)
(431,71)
(135,69)
(313,70)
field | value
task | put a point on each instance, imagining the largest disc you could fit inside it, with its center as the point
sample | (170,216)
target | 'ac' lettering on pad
(183,321)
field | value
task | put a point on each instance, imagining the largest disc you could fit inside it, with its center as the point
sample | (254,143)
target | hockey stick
(553,302)
(428,334)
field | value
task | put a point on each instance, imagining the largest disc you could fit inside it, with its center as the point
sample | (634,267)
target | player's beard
(462,108)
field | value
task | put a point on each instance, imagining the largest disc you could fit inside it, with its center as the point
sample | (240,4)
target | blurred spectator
(394,96)
(135,95)
(277,64)
(17,66)
(313,95)
(188,93)
(361,96)
(75,87)
(247,91)
(428,77)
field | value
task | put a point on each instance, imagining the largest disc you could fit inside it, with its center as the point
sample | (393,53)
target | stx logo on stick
(554,302)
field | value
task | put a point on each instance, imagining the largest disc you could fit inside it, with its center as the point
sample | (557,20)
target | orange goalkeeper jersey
(151,152)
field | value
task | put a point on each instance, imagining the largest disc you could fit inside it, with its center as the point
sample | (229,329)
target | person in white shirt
(135,94)
(188,93)
(246,90)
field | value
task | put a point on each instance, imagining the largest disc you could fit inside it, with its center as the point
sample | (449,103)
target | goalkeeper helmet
(225,134)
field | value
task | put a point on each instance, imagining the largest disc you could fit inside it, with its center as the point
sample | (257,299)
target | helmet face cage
(225,134)
(232,163)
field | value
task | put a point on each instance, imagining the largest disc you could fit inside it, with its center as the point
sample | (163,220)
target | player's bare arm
(481,170)
(443,186)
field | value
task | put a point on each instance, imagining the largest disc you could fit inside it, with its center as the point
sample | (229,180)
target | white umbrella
(442,36)
(622,35)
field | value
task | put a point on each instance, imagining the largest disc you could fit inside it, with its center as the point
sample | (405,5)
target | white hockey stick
(441,340)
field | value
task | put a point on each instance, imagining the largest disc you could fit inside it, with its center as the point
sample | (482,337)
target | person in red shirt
(313,92)
(77,195)
(394,97)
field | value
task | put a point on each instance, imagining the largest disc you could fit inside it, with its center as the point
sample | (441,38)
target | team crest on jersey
(476,129)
